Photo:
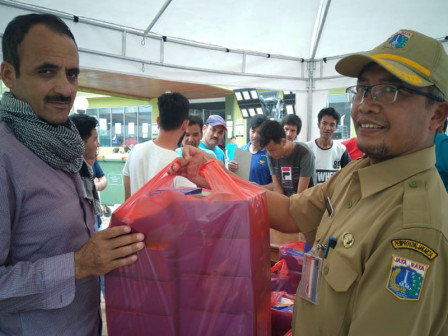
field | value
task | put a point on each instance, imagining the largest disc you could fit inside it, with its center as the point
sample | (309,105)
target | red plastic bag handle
(219,180)
(281,267)
(216,177)
(155,182)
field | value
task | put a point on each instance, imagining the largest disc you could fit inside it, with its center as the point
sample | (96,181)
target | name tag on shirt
(311,272)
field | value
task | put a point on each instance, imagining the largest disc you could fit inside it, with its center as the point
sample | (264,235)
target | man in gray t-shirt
(291,164)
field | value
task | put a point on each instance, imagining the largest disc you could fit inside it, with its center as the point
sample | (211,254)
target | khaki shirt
(388,273)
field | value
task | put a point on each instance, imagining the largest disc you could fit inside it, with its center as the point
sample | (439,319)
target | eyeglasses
(383,93)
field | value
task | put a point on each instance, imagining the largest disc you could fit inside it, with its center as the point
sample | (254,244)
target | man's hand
(233,166)
(107,250)
(100,183)
(188,165)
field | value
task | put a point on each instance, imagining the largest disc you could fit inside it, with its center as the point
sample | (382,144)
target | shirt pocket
(338,283)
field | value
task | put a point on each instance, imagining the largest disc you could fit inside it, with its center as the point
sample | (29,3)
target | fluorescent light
(259,110)
(252,112)
(246,95)
(238,96)
(244,113)
(289,109)
(254,94)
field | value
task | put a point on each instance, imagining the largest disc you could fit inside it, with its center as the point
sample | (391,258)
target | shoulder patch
(416,246)
(406,278)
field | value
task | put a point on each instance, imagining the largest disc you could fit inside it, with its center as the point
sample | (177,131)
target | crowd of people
(384,210)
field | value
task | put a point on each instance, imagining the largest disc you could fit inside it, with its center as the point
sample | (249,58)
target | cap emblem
(398,40)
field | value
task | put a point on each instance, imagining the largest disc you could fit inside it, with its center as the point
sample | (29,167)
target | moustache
(58,99)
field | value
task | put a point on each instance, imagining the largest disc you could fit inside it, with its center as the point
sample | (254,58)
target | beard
(378,152)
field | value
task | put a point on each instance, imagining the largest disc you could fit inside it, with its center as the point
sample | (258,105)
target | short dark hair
(196,120)
(292,119)
(17,29)
(173,110)
(432,89)
(85,124)
(257,120)
(271,130)
(329,111)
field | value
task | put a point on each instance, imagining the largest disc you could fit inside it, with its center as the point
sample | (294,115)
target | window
(338,100)
(117,126)
(144,123)
(104,127)
(130,125)
(120,126)
(206,109)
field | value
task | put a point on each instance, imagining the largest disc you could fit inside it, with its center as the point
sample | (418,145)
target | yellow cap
(414,58)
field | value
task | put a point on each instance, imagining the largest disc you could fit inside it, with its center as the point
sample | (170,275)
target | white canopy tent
(282,45)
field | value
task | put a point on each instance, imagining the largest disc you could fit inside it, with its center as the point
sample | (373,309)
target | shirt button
(413,184)
(348,204)
(348,239)
(325,270)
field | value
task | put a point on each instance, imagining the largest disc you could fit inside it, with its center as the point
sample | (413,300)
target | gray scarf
(60,146)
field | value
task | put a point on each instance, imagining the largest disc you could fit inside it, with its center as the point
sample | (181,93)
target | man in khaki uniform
(380,225)
(388,212)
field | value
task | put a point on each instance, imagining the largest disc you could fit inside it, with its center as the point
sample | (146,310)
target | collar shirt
(218,151)
(44,218)
(259,166)
(387,273)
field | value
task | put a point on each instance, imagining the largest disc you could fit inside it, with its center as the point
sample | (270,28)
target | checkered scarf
(60,146)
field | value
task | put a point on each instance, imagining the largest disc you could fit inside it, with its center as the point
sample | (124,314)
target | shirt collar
(379,176)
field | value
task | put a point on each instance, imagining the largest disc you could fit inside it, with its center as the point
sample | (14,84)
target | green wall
(123,102)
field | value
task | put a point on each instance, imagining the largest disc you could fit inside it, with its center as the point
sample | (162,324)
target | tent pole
(310,85)
(156,18)
(318,26)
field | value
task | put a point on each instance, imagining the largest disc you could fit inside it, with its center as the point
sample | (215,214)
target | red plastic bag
(281,285)
(281,322)
(285,278)
(205,269)
(290,261)
(280,269)
(293,253)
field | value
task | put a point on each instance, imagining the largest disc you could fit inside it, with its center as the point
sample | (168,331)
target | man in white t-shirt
(148,158)
(330,155)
